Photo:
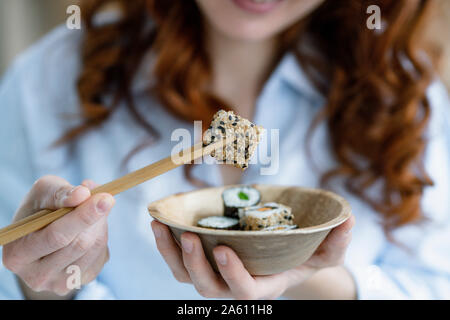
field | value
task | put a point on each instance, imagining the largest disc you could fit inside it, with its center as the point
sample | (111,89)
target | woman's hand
(189,265)
(79,238)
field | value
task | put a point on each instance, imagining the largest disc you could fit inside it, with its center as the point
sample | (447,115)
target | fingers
(89,242)
(240,282)
(234,280)
(338,238)
(92,270)
(92,262)
(331,251)
(87,273)
(347,225)
(170,251)
(89,184)
(189,264)
(49,273)
(90,265)
(80,237)
(51,192)
(62,232)
(205,280)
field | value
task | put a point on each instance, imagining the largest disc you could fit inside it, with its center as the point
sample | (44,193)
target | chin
(254,20)
(246,31)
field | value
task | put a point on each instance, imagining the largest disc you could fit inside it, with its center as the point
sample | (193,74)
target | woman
(364,101)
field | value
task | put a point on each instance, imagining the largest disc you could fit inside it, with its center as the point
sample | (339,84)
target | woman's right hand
(79,238)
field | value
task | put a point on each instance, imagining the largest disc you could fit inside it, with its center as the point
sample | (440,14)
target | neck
(239,68)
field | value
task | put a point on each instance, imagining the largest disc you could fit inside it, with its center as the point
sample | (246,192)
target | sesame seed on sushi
(219,222)
(241,135)
(239,197)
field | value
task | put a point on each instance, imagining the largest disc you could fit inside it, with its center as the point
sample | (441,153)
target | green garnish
(243,195)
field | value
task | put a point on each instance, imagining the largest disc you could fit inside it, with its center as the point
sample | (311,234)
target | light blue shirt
(37,97)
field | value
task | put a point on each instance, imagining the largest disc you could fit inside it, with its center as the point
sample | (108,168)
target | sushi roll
(242,138)
(219,222)
(264,216)
(239,197)
(281,227)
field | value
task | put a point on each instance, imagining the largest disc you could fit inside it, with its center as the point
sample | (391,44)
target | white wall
(22,22)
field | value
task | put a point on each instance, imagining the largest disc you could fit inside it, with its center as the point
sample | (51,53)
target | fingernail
(71,191)
(221,257)
(104,204)
(62,195)
(156,232)
(187,245)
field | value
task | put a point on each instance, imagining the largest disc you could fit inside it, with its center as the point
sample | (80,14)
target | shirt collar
(292,74)
(288,71)
(143,79)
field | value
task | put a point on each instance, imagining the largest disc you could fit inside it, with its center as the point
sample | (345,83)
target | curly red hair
(374,83)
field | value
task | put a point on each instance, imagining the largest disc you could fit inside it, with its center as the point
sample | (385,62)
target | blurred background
(22,22)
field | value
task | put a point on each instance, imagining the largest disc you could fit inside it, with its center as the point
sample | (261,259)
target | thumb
(51,192)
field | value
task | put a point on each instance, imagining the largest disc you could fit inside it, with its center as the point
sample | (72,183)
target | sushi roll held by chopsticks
(240,138)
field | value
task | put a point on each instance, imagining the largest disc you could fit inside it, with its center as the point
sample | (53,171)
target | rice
(241,135)
(264,216)
(280,227)
(239,197)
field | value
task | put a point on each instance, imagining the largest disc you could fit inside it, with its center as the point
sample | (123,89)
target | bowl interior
(312,208)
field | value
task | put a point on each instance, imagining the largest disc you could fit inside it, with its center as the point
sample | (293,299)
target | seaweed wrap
(237,198)
(219,222)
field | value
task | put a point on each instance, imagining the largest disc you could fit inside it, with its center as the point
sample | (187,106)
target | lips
(263,1)
(257,6)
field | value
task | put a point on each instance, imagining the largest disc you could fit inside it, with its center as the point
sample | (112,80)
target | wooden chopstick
(44,217)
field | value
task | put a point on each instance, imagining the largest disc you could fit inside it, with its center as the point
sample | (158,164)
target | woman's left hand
(189,265)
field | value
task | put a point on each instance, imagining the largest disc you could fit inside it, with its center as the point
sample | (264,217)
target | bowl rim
(153,209)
